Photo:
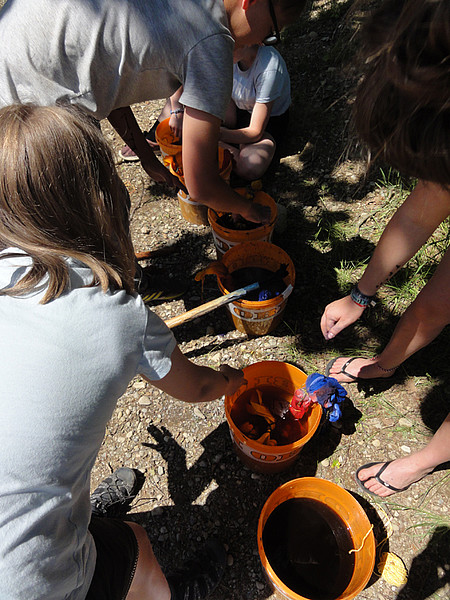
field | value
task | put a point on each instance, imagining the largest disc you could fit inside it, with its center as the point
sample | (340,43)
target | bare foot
(357,368)
(401,473)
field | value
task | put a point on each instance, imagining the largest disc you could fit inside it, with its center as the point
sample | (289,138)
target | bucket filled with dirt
(266,437)
(171,152)
(315,541)
(257,262)
(229,230)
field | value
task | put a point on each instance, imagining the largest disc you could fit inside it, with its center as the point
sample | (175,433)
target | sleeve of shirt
(269,86)
(158,344)
(208,75)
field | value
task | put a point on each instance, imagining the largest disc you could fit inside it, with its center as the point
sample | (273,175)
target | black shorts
(276,126)
(117,556)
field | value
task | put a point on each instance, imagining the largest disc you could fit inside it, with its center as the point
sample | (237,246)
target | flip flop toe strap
(377,477)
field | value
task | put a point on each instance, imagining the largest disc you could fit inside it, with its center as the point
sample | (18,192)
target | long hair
(60,196)
(402,107)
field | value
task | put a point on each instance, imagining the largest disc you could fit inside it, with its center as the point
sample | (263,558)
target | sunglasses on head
(274,37)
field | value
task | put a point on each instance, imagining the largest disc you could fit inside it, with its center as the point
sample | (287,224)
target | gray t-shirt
(63,366)
(107,54)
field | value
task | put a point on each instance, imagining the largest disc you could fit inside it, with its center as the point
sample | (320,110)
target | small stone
(376,443)
(259,586)
(406,449)
(405,422)
(160,470)
(198,413)
(230,560)
(144,401)
(325,462)
(139,385)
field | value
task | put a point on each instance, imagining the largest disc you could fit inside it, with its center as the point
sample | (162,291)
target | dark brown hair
(60,196)
(402,108)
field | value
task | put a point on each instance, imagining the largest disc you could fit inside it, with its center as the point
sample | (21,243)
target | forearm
(124,122)
(193,383)
(408,230)
(240,136)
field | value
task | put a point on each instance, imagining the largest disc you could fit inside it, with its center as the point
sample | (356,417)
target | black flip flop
(343,371)
(377,478)
(354,378)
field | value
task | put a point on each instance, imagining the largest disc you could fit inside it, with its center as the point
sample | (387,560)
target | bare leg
(149,582)
(409,469)
(420,324)
(254,159)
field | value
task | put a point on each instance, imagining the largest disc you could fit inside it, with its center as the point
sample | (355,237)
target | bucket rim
(259,244)
(264,448)
(369,539)
(213,215)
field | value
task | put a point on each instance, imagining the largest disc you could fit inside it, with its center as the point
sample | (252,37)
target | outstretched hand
(338,315)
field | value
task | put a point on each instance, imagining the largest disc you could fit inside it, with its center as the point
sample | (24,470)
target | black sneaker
(200,576)
(112,498)
(153,287)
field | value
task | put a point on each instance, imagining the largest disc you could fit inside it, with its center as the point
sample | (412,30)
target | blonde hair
(60,196)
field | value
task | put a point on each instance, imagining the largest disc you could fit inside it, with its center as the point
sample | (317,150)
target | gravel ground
(195,486)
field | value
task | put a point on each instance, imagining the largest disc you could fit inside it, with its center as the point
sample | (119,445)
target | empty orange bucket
(257,317)
(225,238)
(285,378)
(355,529)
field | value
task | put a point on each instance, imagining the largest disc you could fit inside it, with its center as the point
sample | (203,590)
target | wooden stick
(203,309)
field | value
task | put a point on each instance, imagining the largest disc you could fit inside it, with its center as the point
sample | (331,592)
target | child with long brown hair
(402,112)
(72,335)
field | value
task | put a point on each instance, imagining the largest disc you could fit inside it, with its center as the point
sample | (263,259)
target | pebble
(259,586)
(144,401)
(376,443)
(230,560)
(139,385)
(405,422)
(406,449)
(198,413)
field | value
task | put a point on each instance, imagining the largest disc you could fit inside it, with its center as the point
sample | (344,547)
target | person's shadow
(430,570)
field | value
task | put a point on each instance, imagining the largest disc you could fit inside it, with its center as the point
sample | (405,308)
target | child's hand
(257,213)
(235,378)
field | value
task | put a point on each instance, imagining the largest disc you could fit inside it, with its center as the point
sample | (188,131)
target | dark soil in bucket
(236,222)
(284,430)
(307,544)
(271,283)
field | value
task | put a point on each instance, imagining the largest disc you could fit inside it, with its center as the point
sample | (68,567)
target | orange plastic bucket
(171,152)
(168,143)
(349,511)
(193,211)
(225,238)
(261,457)
(253,317)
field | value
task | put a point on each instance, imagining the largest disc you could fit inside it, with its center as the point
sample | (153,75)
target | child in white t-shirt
(258,114)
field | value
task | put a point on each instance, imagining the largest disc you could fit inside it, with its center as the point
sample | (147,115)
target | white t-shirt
(63,366)
(265,81)
(107,54)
